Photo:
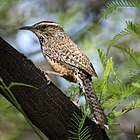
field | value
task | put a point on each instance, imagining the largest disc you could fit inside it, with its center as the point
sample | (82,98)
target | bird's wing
(70,54)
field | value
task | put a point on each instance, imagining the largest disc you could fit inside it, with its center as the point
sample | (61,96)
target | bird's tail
(94,103)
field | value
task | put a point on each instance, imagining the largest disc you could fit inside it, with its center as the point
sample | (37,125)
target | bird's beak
(27,28)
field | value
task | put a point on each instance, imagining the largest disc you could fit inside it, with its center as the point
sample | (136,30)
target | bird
(68,60)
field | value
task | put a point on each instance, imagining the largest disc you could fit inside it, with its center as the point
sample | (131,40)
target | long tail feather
(94,103)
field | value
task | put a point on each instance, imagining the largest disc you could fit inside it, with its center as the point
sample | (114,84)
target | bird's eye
(44,26)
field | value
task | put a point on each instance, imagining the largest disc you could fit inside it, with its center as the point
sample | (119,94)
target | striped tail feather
(94,103)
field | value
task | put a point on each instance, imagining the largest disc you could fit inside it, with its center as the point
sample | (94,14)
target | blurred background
(79,19)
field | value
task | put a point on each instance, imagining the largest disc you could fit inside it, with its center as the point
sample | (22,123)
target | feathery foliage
(114,91)
(108,66)
(113,5)
(120,91)
(131,28)
(79,133)
(102,57)
(134,56)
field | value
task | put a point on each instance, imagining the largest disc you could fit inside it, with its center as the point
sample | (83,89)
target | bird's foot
(46,75)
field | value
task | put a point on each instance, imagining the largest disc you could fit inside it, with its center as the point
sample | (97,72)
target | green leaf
(137,85)
(102,57)
(115,4)
(131,28)
(110,102)
(109,67)
(132,54)
(20,84)
(79,132)
(73,91)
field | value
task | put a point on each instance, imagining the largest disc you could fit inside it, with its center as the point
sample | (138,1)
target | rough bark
(46,107)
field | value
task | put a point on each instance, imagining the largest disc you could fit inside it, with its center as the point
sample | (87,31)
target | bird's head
(45,30)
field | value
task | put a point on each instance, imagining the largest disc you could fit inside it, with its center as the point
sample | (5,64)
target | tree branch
(46,107)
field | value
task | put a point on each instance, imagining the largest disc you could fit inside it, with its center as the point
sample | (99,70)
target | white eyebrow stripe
(52,23)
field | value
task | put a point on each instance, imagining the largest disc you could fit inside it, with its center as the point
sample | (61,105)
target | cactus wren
(68,60)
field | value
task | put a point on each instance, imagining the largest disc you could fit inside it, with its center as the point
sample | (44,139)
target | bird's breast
(67,73)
